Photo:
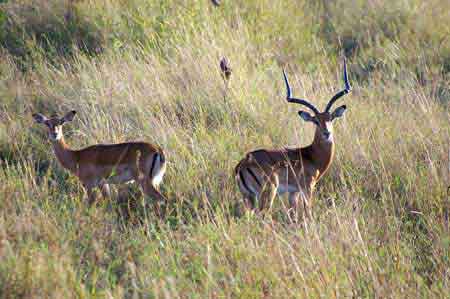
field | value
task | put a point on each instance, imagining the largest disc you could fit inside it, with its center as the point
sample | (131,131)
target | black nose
(326,134)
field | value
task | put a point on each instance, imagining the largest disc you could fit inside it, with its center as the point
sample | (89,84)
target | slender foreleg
(306,200)
(151,191)
(293,206)
(91,195)
(106,191)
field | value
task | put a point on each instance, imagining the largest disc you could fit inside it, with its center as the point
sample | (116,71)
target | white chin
(329,139)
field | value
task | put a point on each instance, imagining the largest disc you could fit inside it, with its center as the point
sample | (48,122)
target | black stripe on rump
(153,165)
(254,176)
(245,183)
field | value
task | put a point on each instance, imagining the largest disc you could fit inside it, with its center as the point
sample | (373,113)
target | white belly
(283,188)
(122,177)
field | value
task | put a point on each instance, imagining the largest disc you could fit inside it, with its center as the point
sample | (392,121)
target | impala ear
(69,116)
(339,111)
(39,118)
(305,116)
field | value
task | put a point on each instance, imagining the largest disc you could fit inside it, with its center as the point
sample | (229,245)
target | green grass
(149,70)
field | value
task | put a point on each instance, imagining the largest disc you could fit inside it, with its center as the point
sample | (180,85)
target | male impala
(264,173)
(103,164)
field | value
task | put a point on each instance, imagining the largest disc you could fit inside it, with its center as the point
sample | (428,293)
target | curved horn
(290,99)
(347,89)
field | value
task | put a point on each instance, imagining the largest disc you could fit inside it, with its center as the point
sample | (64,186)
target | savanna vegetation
(149,70)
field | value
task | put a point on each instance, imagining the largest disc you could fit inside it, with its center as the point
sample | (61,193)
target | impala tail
(237,169)
(247,179)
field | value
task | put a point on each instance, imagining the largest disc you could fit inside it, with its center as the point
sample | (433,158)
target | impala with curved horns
(264,173)
(103,164)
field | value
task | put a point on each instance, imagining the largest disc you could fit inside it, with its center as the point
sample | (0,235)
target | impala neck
(323,152)
(64,154)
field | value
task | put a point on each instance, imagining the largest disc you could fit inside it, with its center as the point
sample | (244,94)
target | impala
(103,164)
(264,173)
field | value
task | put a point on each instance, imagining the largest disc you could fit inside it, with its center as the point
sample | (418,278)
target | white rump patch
(159,171)
(157,179)
(283,188)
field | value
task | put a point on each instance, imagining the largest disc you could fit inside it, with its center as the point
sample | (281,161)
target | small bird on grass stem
(225,68)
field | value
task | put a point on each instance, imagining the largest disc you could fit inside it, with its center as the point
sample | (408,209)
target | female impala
(264,173)
(103,164)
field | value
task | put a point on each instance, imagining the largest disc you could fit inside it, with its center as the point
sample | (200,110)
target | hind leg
(90,195)
(106,191)
(250,202)
(293,206)
(267,196)
(268,192)
(127,200)
(307,209)
(247,206)
(153,192)
(249,197)
(258,203)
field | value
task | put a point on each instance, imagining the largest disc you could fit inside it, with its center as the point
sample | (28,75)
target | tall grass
(148,70)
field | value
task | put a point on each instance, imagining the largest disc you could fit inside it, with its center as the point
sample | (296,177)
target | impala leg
(127,204)
(268,192)
(293,204)
(123,193)
(250,202)
(152,192)
(90,194)
(106,191)
(267,196)
(306,199)
(247,205)
(309,208)
(249,198)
